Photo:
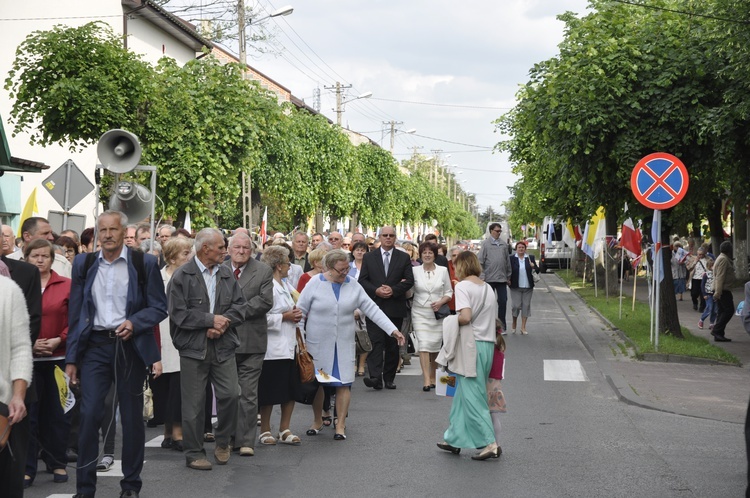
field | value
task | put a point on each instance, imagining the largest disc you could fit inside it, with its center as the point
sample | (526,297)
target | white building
(147,29)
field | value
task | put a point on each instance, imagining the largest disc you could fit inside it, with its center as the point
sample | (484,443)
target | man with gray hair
(723,280)
(164,233)
(205,307)
(116,299)
(256,281)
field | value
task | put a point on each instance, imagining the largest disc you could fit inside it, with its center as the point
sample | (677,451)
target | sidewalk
(677,385)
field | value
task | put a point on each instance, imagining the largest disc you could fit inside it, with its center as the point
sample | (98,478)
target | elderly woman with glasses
(328,303)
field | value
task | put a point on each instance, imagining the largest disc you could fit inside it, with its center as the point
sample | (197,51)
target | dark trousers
(106,361)
(194,377)
(382,362)
(49,423)
(248,373)
(12,464)
(109,422)
(747,449)
(501,291)
(695,295)
(724,312)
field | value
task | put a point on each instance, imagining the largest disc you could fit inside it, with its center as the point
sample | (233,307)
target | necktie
(237,273)
(387,262)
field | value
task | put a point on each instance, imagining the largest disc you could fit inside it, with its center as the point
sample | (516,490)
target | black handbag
(442,312)
(362,338)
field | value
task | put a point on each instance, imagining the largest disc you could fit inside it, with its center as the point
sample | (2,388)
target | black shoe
(721,338)
(447,447)
(390,385)
(129,493)
(177,445)
(376,384)
(339,437)
(71,455)
(81,495)
(426,388)
(167,443)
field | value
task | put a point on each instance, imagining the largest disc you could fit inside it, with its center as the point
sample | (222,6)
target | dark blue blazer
(514,270)
(144,311)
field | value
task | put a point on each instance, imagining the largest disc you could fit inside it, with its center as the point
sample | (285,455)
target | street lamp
(340,101)
(247,186)
(394,132)
(241,25)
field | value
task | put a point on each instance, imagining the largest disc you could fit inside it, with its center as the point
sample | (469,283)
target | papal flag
(29,210)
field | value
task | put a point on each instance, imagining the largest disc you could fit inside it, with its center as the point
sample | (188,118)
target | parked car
(532,243)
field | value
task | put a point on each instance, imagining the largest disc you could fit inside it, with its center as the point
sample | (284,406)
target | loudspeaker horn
(132,199)
(119,151)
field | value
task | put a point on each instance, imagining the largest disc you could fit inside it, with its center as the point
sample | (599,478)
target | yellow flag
(29,210)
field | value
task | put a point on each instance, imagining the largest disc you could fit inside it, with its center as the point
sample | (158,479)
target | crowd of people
(208,321)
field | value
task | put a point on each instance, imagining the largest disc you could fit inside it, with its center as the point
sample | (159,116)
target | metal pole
(66,201)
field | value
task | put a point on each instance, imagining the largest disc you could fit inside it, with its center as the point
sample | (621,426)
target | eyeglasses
(343,271)
(388,235)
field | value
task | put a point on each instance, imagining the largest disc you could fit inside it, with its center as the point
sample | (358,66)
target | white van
(553,253)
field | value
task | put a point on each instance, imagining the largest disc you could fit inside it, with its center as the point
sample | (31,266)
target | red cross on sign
(659,181)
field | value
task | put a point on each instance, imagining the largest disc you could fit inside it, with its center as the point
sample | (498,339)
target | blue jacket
(143,311)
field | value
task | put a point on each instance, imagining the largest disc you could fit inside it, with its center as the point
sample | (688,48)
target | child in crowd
(707,292)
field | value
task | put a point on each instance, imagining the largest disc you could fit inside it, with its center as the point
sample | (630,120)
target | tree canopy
(203,125)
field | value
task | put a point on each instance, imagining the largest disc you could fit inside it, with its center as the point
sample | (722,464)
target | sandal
(287,437)
(314,432)
(360,373)
(267,439)
(209,437)
(327,421)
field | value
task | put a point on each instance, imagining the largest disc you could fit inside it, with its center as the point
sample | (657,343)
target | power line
(682,12)
(451,142)
(443,105)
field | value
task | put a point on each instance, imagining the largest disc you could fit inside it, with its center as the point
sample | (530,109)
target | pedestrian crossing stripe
(564,371)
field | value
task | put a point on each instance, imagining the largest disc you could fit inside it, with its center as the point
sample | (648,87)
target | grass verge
(636,325)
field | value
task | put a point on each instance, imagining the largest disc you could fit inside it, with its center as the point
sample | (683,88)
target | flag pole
(622,274)
(635,276)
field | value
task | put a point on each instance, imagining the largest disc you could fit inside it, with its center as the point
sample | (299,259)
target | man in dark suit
(27,278)
(386,276)
(256,282)
(114,305)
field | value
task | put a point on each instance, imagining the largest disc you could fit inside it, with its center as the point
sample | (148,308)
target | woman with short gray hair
(328,303)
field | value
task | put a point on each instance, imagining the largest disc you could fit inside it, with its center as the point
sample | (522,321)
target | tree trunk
(353,222)
(319,222)
(669,320)
(715,226)
(334,221)
(740,241)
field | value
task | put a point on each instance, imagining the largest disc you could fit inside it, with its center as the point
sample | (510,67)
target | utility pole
(247,189)
(436,153)
(339,89)
(393,125)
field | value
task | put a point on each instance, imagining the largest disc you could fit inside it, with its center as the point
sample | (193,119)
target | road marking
(564,370)
(155,443)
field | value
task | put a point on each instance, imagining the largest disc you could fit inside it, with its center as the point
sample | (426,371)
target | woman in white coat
(432,289)
(328,303)
(279,378)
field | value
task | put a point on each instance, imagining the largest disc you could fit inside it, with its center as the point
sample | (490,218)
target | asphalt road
(566,438)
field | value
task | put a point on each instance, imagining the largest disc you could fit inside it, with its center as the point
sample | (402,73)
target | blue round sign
(659,181)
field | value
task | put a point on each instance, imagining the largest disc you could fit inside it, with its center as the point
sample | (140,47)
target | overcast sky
(465,59)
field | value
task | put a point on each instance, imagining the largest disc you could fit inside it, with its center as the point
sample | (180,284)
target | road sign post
(658,181)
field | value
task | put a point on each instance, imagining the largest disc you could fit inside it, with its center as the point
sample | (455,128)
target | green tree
(70,85)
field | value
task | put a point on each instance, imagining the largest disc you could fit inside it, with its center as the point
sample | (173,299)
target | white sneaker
(514,331)
(106,463)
